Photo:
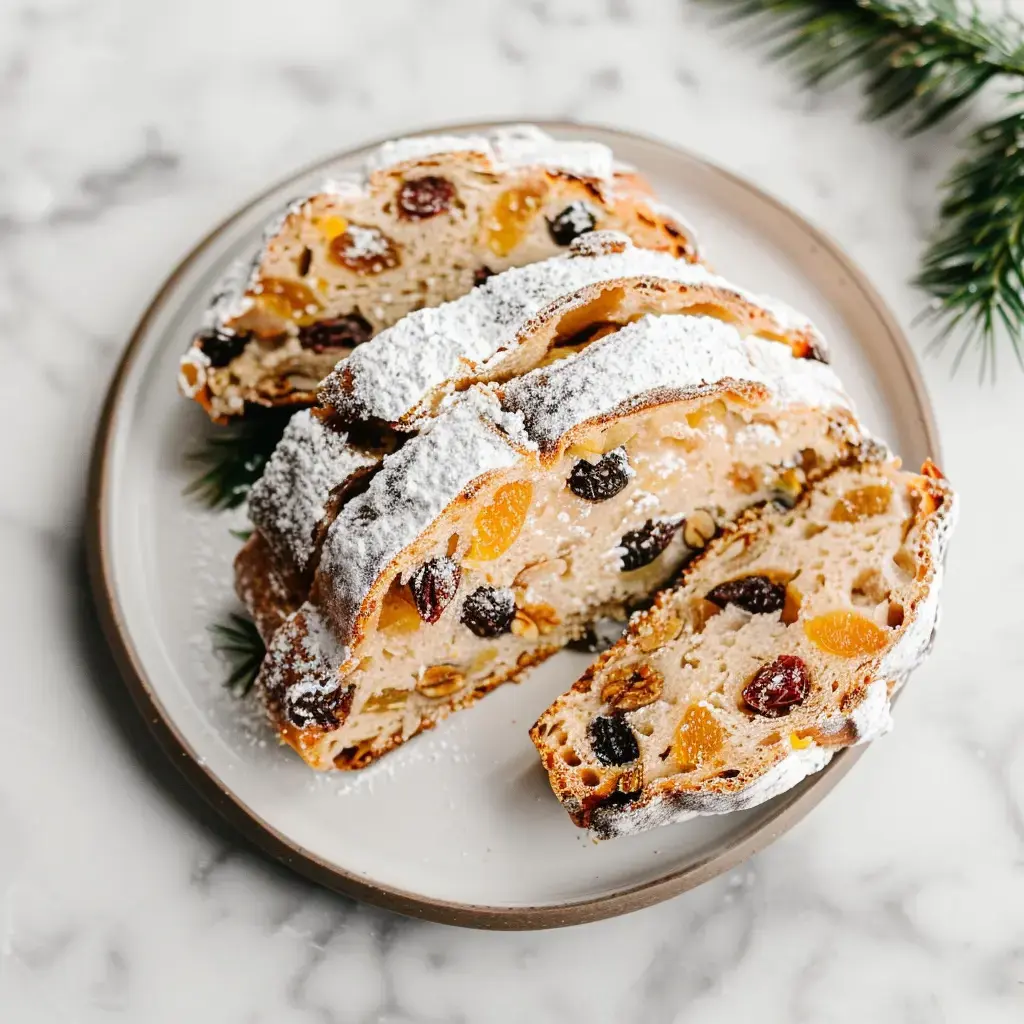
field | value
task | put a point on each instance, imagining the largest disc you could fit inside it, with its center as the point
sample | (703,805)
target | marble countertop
(128,129)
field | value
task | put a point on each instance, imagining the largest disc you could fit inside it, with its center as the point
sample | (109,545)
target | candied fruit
(510,217)
(862,503)
(398,613)
(846,633)
(699,737)
(498,524)
(290,300)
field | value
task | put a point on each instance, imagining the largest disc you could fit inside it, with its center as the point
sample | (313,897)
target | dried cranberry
(643,546)
(326,710)
(601,480)
(419,198)
(489,611)
(341,332)
(480,275)
(778,686)
(220,346)
(433,586)
(576,219)
(755,594)
(612,740)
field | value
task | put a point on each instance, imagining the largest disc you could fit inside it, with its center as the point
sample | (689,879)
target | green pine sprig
(232,458)
(921,61)
(241,645)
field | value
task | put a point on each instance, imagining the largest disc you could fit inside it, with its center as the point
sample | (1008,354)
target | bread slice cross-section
(522,512)
(517,320)
(783,643)
(426,220)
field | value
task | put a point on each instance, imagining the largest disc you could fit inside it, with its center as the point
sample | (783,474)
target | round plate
(459,825)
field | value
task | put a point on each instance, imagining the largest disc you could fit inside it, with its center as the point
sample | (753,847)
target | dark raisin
(340,332)
(480,275)
(755,594)
(419,198)
(729,773)
(489,611)
(576,219)
(601,480)
(326,710)
(778,686)
(613,740)
(643,546)
(220,346)
(304,260)
(433,586)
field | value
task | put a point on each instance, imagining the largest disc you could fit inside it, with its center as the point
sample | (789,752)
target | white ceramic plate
(459,825)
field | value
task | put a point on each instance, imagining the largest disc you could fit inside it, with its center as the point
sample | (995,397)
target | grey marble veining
(127,130)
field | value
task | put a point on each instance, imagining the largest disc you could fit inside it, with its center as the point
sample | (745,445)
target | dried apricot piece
(510,217)
(498,524)
(698,737)
(862,503)
(398,612)
(289,300)
(846,633)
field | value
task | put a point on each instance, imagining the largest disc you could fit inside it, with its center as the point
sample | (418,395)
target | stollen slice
(784,642)
(426,220)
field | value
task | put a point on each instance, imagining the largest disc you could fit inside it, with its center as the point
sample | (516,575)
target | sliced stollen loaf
(521,513)
(426,220)
(514,322)
(784,642)
(518,319)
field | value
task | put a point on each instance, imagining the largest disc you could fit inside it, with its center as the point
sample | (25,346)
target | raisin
(755,594)
(613,740)
(303,262)
(433,586)
(419,198)
(601,480)
(220,346)
(480,275)
(364,250)
(489,611)
(576,219)
(341,332)
(778,686)
(643,546)
(326,710)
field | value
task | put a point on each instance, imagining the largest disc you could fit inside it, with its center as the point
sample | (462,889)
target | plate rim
(790,808)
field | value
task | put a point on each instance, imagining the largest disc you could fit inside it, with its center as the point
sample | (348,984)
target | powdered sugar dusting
(662,352)
(391,376)
(472,436)
(289,500)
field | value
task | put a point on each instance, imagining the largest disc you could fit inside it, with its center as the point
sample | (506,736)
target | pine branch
(243,648)
(975,266)
(233,458)
(924,60)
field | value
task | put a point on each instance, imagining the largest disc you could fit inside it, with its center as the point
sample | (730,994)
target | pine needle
(242,647)
(922,61)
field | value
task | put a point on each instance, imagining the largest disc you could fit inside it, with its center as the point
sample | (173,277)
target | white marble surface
(128,129)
